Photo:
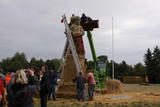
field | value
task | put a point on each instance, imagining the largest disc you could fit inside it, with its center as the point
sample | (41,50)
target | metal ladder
(72,45)
(69,45)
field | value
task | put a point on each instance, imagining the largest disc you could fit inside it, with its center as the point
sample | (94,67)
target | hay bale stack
(69,69)
(114,86)
(133,80)
(67,89)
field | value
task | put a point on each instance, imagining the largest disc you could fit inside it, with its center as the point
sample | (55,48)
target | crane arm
(89,35)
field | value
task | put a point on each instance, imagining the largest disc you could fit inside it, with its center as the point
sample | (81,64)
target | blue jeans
(80,94)
(52,94)
(91,91)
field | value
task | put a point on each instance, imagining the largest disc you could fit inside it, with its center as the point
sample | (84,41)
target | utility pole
(112,48)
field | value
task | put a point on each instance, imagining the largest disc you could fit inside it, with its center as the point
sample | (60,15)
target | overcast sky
(33,27)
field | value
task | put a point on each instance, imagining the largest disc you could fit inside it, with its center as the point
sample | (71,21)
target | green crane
(100,67)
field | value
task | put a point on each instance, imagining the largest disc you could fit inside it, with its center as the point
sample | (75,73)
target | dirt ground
(146,94)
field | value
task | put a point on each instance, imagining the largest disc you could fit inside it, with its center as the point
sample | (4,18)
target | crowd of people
(20,87)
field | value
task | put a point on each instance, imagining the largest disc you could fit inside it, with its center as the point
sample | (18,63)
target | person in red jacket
(91,84)
(2,89)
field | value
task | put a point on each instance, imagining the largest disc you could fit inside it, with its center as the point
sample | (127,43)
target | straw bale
(133,80)
(114,86)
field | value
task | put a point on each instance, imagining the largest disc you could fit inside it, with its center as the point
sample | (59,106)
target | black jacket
(53,78)
(21,95)
(45,83)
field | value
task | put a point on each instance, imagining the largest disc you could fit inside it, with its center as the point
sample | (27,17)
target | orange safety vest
(8,78)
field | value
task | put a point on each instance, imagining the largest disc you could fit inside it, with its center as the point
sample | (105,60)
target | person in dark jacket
(44,86)
(80,84)
(20,92)
(53,84)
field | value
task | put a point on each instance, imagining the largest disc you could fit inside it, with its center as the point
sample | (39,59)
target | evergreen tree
(156,64)
(156,58)
(152,62)
(148,60)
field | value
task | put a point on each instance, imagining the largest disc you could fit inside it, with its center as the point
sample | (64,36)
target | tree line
(19,61)
(151,68)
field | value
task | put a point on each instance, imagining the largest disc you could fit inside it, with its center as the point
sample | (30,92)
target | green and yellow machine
(100,67)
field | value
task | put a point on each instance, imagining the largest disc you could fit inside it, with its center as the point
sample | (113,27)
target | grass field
(139,96)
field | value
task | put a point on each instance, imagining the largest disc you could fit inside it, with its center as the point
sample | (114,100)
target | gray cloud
(33,27)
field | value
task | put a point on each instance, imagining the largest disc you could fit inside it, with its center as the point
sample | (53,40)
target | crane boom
(89,35)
